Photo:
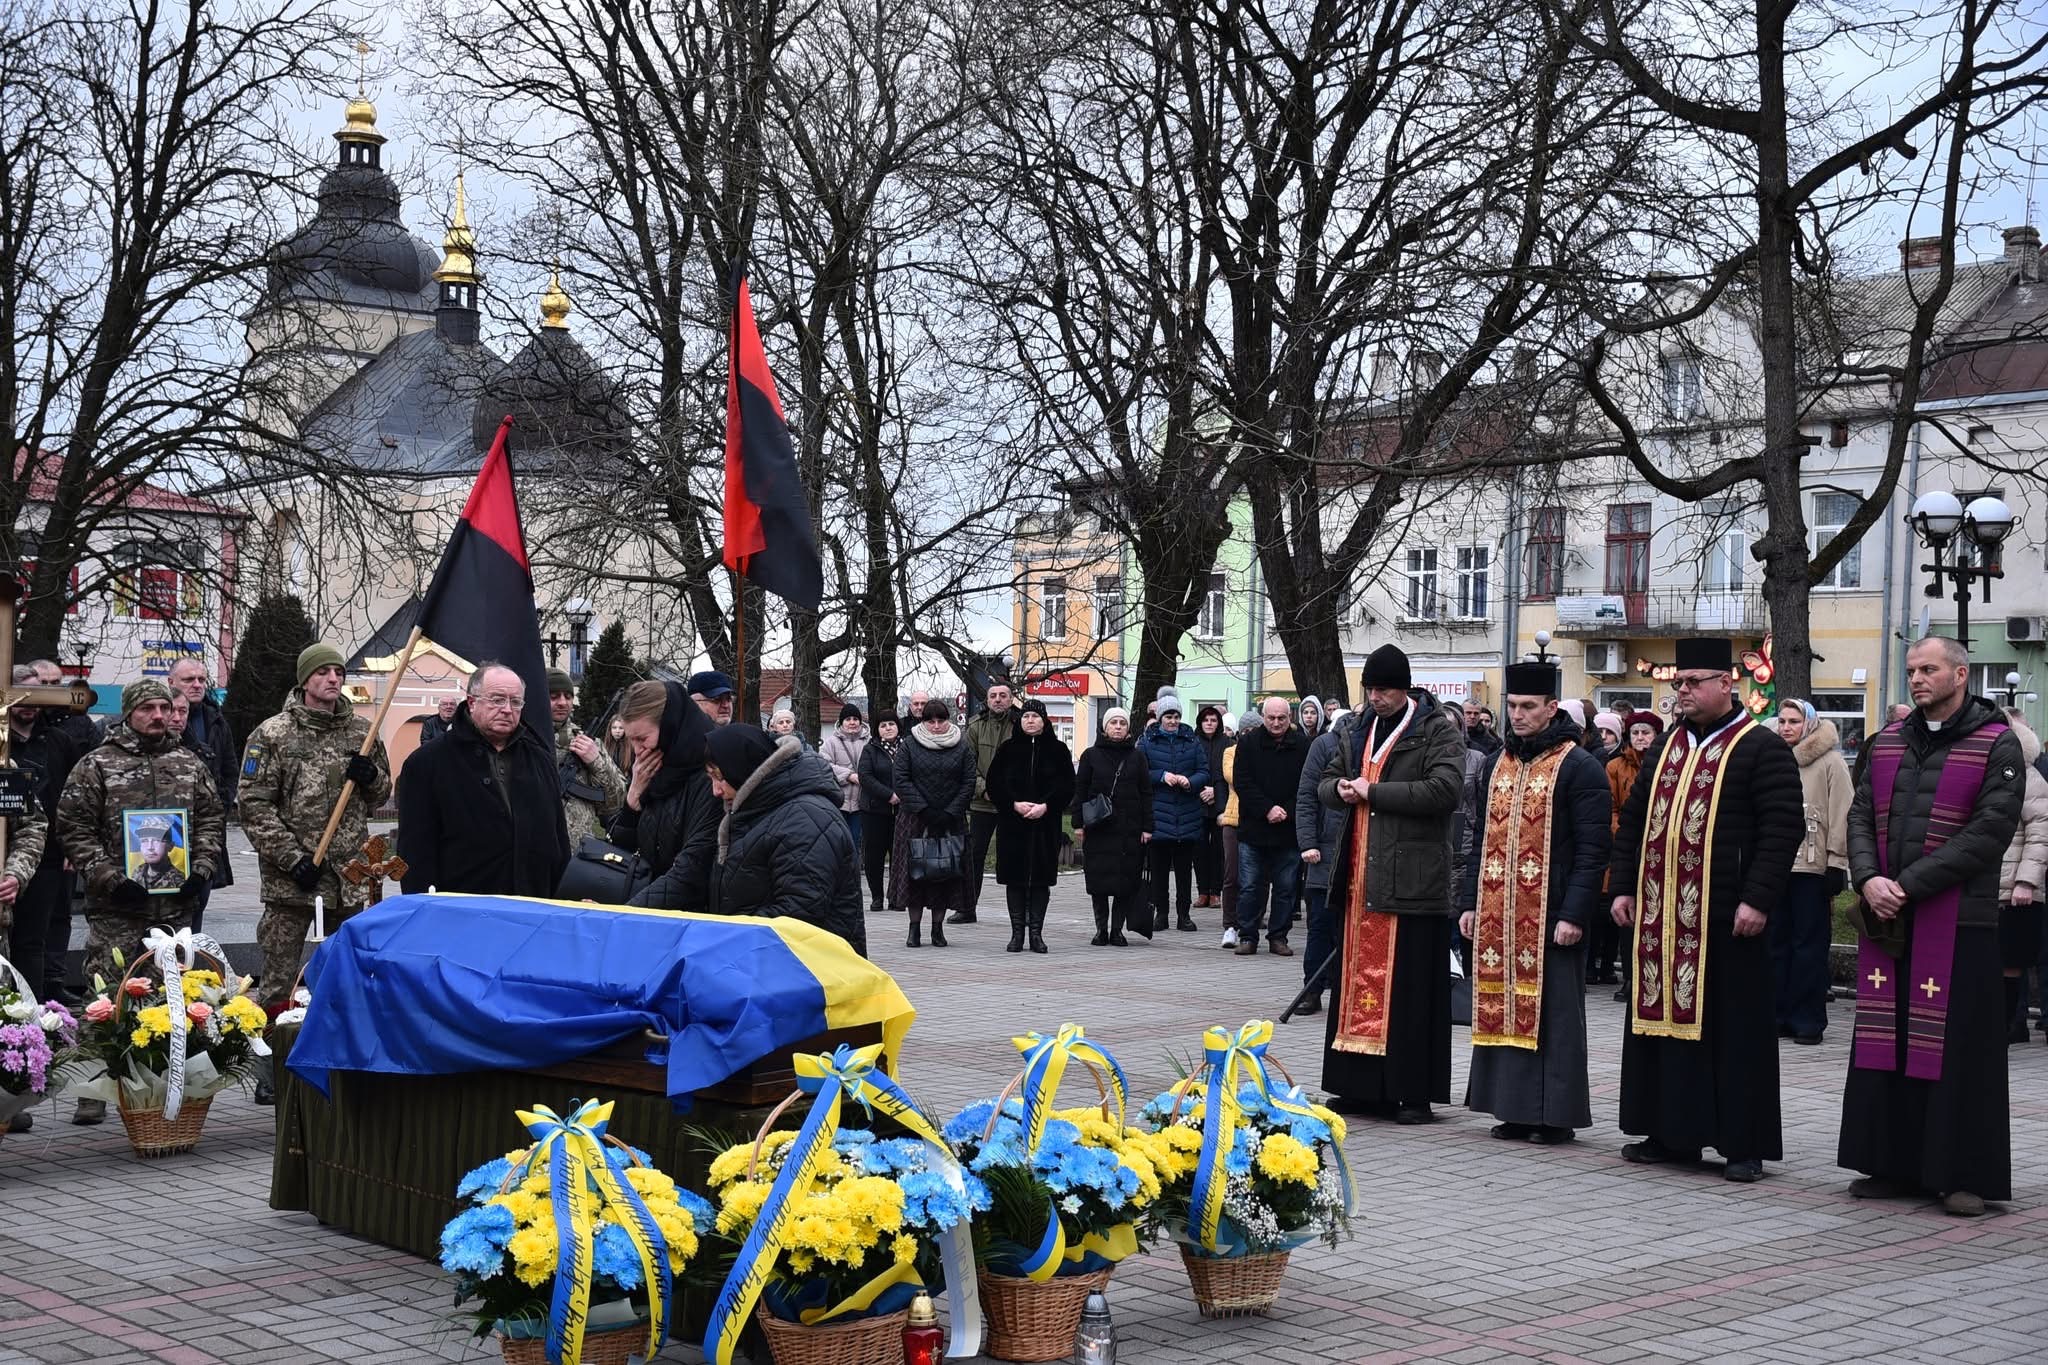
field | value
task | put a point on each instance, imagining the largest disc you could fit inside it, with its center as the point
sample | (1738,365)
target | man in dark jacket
(1702,855)
(1925,1109)
(480,809)
(1179,770)
(41,937)
(437,725)
(1267,773)
(1399,775)
(206,731)
(986,733)
(1534,885)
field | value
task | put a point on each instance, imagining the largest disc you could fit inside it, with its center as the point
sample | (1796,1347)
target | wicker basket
(150,1134)
(610,1347)
(1035,1320)
(1235,1286)
(865,1341)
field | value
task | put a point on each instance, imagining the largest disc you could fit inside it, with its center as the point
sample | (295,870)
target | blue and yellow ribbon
(1045,1065)
(1228,1061)
(831,1079)
(572,1151)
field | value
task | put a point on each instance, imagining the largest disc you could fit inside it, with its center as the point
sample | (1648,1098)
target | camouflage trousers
(281,938)
(108,930)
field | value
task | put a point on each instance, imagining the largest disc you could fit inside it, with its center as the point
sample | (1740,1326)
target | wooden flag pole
(348,788)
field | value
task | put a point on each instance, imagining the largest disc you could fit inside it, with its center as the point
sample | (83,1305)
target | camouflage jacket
(25,838)
(127,773)
(292,770)
(601,775)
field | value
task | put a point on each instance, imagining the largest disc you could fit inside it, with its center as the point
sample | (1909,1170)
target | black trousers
(1178,857)
(1209,860)
(981,828)
(878,833)
(41,938)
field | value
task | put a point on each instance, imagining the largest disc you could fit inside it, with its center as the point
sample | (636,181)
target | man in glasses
(1702,857)
(481,810)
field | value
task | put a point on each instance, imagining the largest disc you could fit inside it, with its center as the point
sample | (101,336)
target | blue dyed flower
(473,1242)
(1239,1159)
(613,1258)
(618,1159)
(966,1126)
(700,1211)
(483,1182)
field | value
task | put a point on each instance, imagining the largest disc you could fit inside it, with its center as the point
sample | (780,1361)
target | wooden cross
(79,698)
(376,862)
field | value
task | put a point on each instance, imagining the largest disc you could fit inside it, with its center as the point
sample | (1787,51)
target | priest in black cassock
(1399,770)
(1925,1109)
(1701,858)
(1535,887)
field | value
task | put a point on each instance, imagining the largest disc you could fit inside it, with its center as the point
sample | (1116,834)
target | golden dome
(458,248)
(359,121)
(554,302)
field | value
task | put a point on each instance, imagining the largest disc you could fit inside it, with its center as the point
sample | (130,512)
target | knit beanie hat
(1608,721)
(145,689)
(848,712)
(560,681)
(1386,666)
(315,657)
(1167,701)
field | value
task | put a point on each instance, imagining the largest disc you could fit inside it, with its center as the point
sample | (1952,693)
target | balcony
(1662,612)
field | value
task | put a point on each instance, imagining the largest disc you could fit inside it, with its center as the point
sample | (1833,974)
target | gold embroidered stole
(1510,923)
(1674,883)
(1365,987)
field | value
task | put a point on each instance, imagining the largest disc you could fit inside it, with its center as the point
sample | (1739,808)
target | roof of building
(388,639)
(143,497)
(2002,348)
(356,249)
(777,683)
(409,410)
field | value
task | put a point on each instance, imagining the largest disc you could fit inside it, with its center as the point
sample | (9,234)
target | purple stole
(1933,950)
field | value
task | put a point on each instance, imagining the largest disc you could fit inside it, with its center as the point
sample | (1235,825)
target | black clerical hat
(1532,680)
(1697,654)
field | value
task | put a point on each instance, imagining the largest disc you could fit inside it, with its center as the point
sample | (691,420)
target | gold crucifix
(376,863)
(79,698)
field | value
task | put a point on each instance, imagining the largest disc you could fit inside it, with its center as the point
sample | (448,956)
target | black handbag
(939,858)
(1102,805)
(603,872)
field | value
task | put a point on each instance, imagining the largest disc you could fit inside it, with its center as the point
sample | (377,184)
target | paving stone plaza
(1465,1249)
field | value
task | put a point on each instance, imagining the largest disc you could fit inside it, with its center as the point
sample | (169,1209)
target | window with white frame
(1052,609)
(1209,625)
(1831,512)
(1683,399)
(1474,572)
(1845,709)
(1423,601)
(1988,680)
(1109,606)
(1725,555)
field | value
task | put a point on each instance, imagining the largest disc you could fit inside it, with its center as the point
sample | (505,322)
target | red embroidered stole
(1512,917)
(1365,988)
(1674,884)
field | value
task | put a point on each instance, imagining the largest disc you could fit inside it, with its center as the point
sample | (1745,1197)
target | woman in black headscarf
(1031,781)
(671,816)
(783,847)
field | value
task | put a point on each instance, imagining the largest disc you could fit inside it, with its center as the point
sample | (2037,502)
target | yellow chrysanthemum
(156,1018)
(534,1254)
(905,1249)
(242,1014)
(196,984)
(1283,1158)
(740,1204)
(141,1037)
(650,1184)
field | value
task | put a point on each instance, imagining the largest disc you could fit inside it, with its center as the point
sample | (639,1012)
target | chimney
(2023,253)
(1920,253)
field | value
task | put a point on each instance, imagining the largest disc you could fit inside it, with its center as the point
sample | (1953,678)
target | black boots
(1101,938)
(1040,897)
(917,919)
(1116,925)
(2015,1011)
(1159,919)
(1015,896)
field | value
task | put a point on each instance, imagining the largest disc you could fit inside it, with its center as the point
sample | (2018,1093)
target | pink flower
(99,1011)
(198,1011)
(137,987)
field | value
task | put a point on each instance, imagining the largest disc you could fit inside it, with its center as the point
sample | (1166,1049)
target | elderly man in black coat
(1542,846)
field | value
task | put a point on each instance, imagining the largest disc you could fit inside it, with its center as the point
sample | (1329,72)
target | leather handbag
(602,872)
(940,858)
(1102,805)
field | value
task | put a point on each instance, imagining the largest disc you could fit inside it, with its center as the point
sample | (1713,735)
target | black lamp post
(1939,518)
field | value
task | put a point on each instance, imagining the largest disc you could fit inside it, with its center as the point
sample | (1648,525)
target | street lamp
(2013,684)
(1940,520)
(1542,646)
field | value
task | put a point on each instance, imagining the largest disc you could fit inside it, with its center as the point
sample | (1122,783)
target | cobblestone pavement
(1466,1249)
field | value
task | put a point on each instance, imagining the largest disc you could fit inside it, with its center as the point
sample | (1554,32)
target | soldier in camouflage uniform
(292,771)
(139,766)
(593,788)
(26,836)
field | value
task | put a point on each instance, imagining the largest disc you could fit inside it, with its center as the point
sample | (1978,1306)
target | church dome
(357,239)
(557,396)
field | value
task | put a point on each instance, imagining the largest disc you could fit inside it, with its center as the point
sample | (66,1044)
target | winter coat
(1316,825)
(294,767)
(128,772)
(936,779)
(48,754)
(1826,791)
(1031,768)
(1229,779)
(433,728)
(1753,841)
(208,735)
(1113,852)
(1581,833)
(1177,811)
(1972,857)
(843,752)
(878,773)
(1214,747)
(2026,857)
(1621,780)
(676,827)
(454,831)
(784,848)
(1411,809)
(1267,773)
(987,733)
(593,792)
(1465,830)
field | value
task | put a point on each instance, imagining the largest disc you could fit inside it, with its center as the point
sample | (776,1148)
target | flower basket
(1035,1319)
(612,1347)
(1235,1286)
(864,1341)
(151,1134)
(31,1033)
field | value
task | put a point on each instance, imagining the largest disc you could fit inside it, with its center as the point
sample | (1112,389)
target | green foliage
(265,660)
(609,670)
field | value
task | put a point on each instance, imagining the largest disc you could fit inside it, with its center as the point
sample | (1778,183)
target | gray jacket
(1408,855)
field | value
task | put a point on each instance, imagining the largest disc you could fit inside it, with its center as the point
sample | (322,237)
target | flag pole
(348,788)
(739,607)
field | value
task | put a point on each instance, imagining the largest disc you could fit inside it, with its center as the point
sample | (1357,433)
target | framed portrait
(153,841)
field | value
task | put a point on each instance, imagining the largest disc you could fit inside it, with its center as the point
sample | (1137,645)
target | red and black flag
(481,603)
(767,518)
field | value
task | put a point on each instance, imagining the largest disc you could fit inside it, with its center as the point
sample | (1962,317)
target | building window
(1052,609)
(1546,554)
(1725,555)
(1109,606)
(1845,709)
(1474,568)
(1831,512)
(1423,603)
(1682,397)
(1628,549)
(1209,625)
(1988,680)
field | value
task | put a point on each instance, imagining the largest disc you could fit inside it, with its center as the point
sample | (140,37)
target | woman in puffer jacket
(783,846)
(1802,927)
(2020,884)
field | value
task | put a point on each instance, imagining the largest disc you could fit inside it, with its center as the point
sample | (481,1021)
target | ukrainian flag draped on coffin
(439,984)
